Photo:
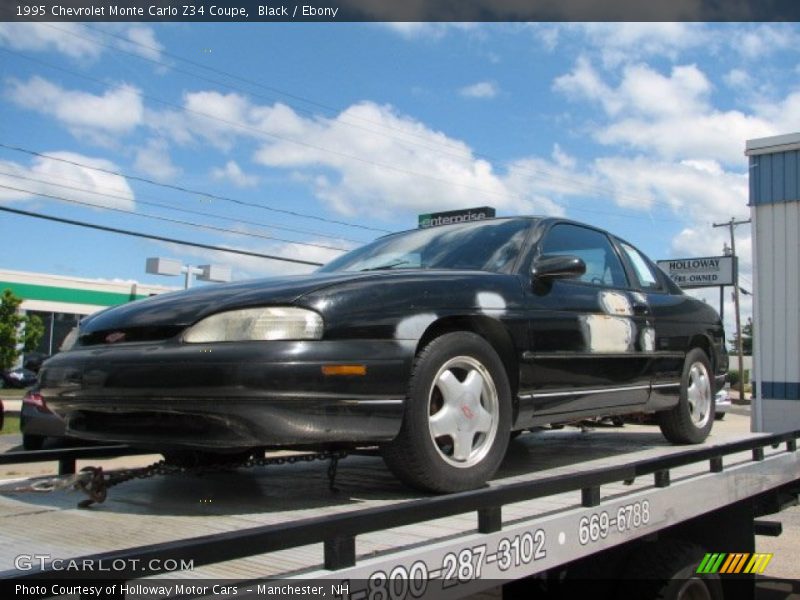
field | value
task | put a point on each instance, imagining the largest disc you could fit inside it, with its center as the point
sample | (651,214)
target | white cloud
(642,90)
(79,41)
(412,30)
(154,160)
(738,78)
(700,191)
(481,89)
(625,42)
(143,42)
(367,160)
(232,172)
(66,180)
(670,116)
(378,174)
(72,39)
(757,41)
(117,111)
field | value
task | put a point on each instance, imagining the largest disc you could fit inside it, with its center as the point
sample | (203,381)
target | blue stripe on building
(779,390)
(775,178)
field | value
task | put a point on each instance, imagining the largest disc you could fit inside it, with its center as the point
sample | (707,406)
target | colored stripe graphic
(758,563)
(722,562)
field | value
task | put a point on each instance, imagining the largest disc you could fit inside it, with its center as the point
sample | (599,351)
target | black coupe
(435,344)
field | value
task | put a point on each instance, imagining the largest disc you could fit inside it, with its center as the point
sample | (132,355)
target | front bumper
(230,395)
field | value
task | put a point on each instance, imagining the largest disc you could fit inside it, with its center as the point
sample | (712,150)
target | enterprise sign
(456,216)
(709,271)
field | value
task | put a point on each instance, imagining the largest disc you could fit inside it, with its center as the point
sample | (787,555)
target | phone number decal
(456,568)
(598,526)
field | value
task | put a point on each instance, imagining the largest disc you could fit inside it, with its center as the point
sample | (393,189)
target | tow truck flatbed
(518,539)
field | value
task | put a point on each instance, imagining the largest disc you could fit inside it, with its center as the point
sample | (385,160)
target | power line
(539,173)
(155,237)
(340,154)
(138,200)
(272,89)
(186,190)
(167,219)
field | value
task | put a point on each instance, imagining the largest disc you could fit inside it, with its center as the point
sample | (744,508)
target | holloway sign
(701,272)
(456,216)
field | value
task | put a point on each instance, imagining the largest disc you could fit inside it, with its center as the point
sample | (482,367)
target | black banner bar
(391,10)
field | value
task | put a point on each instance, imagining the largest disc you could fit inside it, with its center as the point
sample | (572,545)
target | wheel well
(702,342)
(492,330)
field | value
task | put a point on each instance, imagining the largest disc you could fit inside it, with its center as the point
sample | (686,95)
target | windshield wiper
(388,266)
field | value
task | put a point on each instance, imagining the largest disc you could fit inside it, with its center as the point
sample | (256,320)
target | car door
(671,329)
(586,334)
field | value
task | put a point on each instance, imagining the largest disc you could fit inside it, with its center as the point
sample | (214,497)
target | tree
(16,330)
(747,339)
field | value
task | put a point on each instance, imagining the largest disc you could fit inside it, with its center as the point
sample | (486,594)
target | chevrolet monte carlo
(434,344)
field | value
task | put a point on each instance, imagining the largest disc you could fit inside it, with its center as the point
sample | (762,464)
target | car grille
(129,335)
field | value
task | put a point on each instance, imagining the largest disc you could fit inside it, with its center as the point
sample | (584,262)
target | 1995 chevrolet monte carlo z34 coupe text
(434,344)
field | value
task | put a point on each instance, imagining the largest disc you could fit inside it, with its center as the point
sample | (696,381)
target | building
(61,301)
(775,212)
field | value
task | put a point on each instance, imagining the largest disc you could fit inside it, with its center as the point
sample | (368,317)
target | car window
(603,266)
(644,272)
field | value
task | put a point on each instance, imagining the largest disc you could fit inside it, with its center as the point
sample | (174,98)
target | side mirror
(558,267)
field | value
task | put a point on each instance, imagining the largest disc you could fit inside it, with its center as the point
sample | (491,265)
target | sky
(304,140)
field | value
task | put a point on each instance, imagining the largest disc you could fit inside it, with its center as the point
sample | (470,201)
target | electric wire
(184,189)
(166,219)
(138,200)
(544,174)
(337,153)
(159,238)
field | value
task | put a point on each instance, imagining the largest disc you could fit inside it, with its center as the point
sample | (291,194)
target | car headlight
(257,324)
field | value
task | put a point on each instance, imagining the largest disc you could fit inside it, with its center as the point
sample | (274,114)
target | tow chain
(95,483)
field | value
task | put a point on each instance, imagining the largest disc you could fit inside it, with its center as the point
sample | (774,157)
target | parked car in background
(434,344)
(722,403)
(19,378)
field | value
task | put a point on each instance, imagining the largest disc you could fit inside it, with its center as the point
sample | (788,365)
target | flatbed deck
(547,531)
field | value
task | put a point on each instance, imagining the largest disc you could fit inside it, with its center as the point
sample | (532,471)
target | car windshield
(482,246)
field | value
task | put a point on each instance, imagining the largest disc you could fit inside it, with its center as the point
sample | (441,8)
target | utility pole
(731,225)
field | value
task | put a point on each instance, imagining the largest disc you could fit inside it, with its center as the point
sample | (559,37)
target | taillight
(35,399)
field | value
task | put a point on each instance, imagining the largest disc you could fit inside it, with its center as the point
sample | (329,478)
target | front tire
(690,421)
(457,419)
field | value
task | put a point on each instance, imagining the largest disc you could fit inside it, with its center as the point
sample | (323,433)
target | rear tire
(690,421)
(457,419)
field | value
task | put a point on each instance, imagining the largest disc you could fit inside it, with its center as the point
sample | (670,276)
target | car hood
(180,309)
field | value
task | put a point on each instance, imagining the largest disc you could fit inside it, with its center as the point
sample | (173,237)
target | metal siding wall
(791,173)
(792,254)
(775,209)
